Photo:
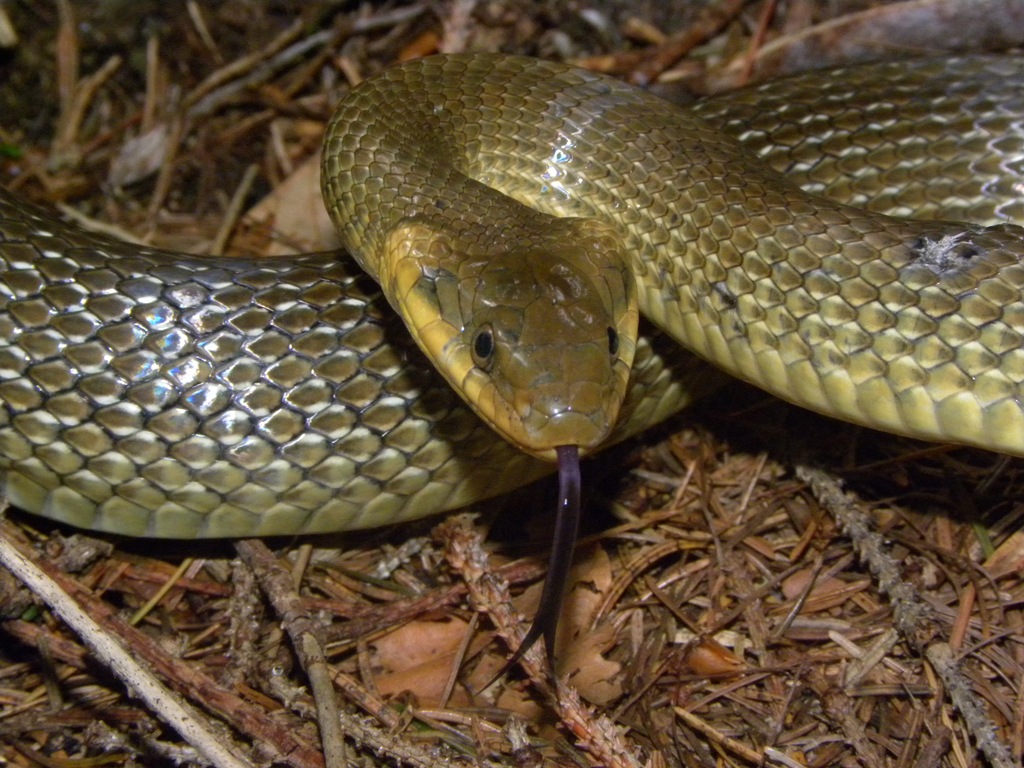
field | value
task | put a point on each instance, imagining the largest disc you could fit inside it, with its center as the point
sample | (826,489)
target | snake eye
(483,347)
(613,342)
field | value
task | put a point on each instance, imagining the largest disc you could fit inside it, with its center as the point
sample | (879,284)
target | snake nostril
(613,342)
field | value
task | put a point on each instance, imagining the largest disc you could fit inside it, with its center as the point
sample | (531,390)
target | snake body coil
(149,393)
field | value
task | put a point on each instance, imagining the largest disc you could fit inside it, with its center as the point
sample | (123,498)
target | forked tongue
(567,523)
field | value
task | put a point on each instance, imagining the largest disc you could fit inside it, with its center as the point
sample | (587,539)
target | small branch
(304,632)
(257,726)
(940,655)
(913,617)
(179,715)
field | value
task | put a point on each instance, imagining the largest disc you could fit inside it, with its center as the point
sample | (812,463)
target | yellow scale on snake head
(156,394)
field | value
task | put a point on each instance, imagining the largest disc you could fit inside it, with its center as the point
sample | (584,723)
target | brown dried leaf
(579,646)
(825,594)
(418,657)
(711,658)
(295,214)
(1008,557)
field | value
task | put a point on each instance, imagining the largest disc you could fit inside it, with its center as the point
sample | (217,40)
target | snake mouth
(568,429)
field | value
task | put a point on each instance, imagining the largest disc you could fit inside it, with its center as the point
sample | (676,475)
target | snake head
(536,331)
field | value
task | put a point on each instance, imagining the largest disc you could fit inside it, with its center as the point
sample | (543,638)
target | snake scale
(150,393)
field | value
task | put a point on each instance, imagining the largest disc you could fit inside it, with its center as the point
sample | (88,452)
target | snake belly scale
(151,393)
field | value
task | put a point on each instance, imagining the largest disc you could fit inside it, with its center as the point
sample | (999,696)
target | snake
(847,240)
